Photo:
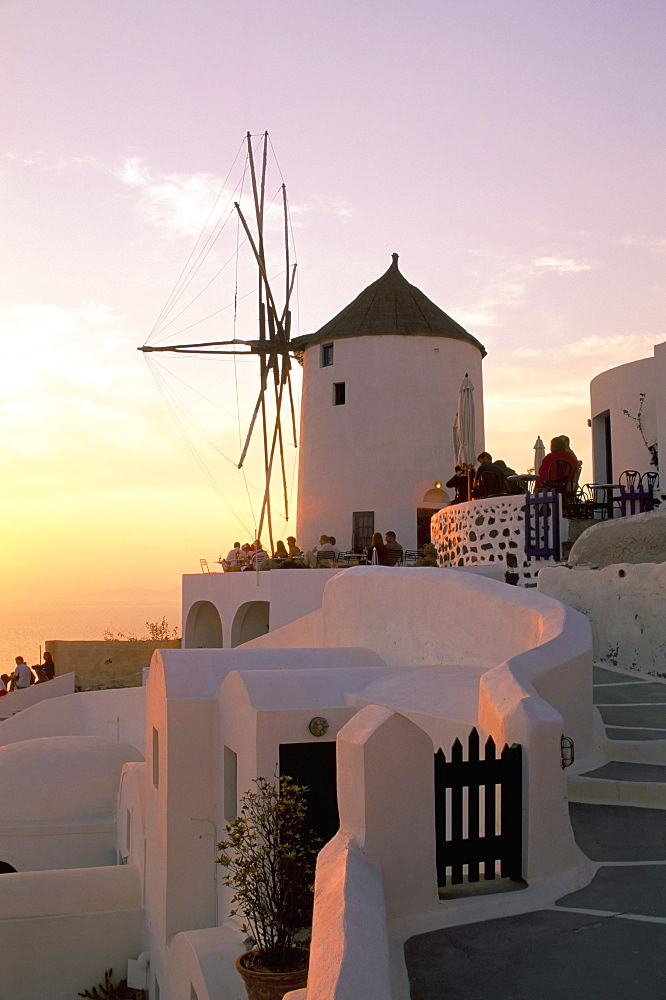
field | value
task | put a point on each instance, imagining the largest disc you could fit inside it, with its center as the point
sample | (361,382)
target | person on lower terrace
(394,551)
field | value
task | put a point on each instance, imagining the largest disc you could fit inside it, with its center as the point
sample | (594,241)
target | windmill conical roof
(390,306)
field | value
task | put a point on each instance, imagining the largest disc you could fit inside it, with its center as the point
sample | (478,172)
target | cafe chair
(650,481)
(578,505)
(596,499)
(630,478)
(490,484)
(560,477)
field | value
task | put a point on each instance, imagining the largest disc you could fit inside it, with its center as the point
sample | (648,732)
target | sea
(26,628)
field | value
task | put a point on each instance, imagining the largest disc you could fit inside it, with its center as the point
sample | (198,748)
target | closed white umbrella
(539,453)
(466,429)
(466,424)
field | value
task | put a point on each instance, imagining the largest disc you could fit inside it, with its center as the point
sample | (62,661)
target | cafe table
(607,492)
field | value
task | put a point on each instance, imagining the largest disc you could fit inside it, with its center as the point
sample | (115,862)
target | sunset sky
(512,153)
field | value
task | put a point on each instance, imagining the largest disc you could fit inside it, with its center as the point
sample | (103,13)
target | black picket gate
(479,834)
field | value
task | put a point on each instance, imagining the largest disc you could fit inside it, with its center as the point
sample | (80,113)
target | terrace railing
(542,524)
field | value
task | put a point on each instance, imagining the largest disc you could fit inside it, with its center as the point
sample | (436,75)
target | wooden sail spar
(272,346)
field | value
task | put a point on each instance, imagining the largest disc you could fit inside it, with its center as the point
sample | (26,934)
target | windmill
(271,346)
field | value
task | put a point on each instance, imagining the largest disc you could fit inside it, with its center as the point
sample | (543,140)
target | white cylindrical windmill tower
(379,401)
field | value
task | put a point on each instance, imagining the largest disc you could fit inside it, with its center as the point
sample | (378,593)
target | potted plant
(269,856)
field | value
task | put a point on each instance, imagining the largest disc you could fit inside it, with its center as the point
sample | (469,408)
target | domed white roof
(60,777)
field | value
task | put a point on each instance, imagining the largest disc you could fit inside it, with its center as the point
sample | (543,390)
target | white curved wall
(394,430)
(616,390)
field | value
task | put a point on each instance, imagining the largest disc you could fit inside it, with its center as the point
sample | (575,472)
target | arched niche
(435,497)
(250,621)
(6,868)
(203,628)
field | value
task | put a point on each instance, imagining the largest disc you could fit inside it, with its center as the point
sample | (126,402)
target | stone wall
(106,663)
(487,532)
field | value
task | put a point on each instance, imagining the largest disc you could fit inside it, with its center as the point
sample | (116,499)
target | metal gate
(542,524)
(477,829)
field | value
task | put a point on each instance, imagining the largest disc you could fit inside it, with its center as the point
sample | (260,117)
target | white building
(379,400)
(617,440)
(112,845)
(399,662)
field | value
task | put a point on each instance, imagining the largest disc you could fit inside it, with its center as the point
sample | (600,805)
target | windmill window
(339,397)
(326,356)
(156,758)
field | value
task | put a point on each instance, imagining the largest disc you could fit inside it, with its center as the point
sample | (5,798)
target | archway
(6,868)
(203,628)
(251,620)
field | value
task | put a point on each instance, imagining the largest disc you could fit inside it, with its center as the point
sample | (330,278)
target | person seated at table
(293,547)
(235,559)
(22,677)
(280,551)
(514,486)
(548,471)
(460,483)
(377,554)
(576,464)
(259,556)
(48,665)
(310,557)
(394,550)
(332,543)
(487,468)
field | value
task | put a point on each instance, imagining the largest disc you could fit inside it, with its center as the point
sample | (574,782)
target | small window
(326,356)
(230,784)
(156,757)
(128,834)
(339,394)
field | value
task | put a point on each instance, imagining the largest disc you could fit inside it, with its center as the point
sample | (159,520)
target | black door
(423,519)
(313,764)
(363,526)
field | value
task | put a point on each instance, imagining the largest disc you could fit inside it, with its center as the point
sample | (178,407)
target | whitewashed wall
(119,714)
(290,594)
(488,533)
(393,432)
(60,930)
(18,701)
(619,389)
(626,606)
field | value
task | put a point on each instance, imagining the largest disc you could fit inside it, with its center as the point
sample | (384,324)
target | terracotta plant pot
(261,984)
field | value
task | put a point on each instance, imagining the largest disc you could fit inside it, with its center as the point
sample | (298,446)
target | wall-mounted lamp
(567,751)
(438,486)
(318,726)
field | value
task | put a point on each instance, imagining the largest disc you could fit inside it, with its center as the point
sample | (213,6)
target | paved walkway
(606,941)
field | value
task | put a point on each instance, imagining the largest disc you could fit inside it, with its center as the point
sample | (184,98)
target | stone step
(621,782)
(647,751)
